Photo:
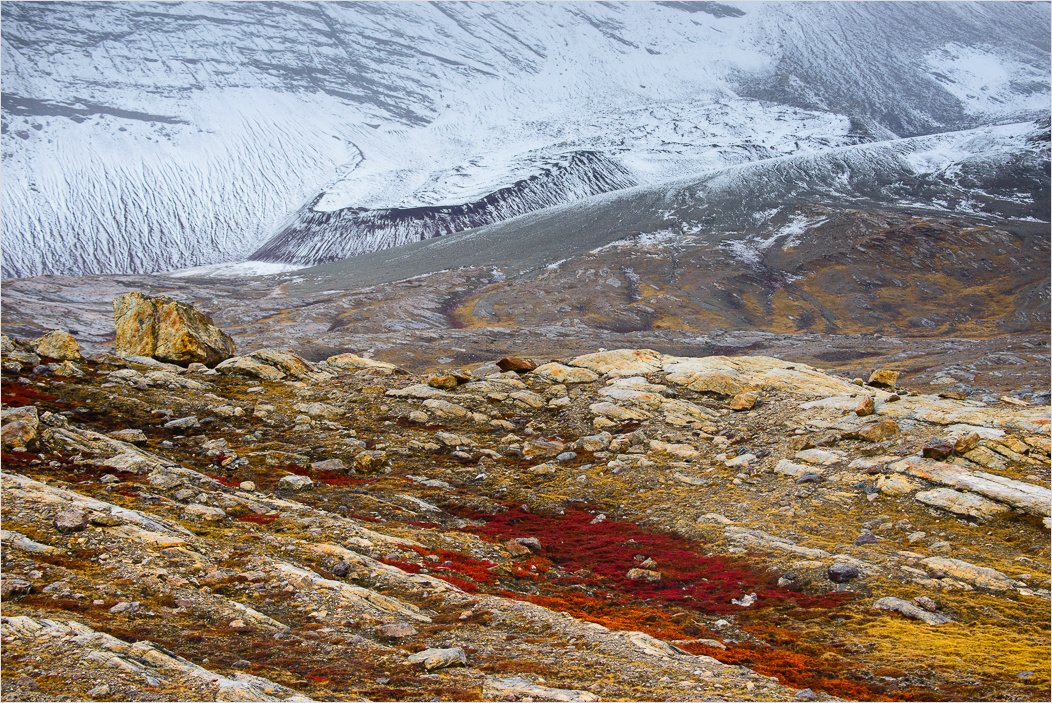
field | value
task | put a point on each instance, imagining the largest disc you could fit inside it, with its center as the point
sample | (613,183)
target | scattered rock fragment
(842,573)
(58,344)
(638,574)
(516,364)
(742,401)
(70,520)
(937,449)
(295,483)
(445,381)
(398,630)
(370,461)
(204,512)
(966,443)
(432,659)
(517,688)
(884,378)
(130,436)
(865,407)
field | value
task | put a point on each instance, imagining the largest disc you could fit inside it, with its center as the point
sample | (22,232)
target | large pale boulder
(558,373)
(168,330)
(346,362)
(273,365)
(58,344)
(622,362)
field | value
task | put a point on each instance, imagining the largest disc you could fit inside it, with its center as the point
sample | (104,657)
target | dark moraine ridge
(315,237)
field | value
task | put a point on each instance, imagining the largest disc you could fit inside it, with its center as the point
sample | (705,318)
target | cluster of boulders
(735,450)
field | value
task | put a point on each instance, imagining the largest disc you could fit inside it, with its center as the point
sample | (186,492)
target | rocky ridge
(613,525)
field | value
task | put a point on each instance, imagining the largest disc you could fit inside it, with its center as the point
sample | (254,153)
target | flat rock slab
(958,503)
(516,687)
(980,576)
(1027,497)
(439,658)
(910,610)
(558,373)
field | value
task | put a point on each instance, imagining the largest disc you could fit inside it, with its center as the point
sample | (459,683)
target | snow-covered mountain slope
(150,136)
(991,175)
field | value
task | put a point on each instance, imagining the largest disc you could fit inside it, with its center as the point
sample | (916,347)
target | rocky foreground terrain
(619,525)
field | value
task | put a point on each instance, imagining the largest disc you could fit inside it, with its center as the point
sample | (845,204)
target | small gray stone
(865,538)
(810,477)
(204,512)
(99,691)
(130,436)
(70,520)
(842,573)
(398,630)
(806,695)
(531,543)
(295,483)
(329,465)
(183,423)
(125,607)
(566,456)
(341,568)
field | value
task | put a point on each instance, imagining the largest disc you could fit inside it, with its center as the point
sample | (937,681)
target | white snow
(987,82)
(234,269)
(245,112)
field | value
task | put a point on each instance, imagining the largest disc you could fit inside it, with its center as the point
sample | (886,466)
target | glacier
(141,137)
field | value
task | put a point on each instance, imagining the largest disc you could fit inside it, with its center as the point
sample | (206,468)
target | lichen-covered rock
(16,351)
(884,378)
(865,407)
(346,362)
(517,364)
(595,442)
(439,658)
(910,611)
(444,380)
(58,344)
(207,513)
(875,431)
(621,362)
(318,409)
(70,520)
(295,483)
(370,461)
(960,503)
(558,373)
(66,368)
(273,365)
(20,427)
(742,401)
(168,330)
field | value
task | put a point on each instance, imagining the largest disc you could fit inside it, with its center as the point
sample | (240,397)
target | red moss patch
(608,549)
(17,395)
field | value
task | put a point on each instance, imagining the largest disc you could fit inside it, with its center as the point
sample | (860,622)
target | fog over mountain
(141,137)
